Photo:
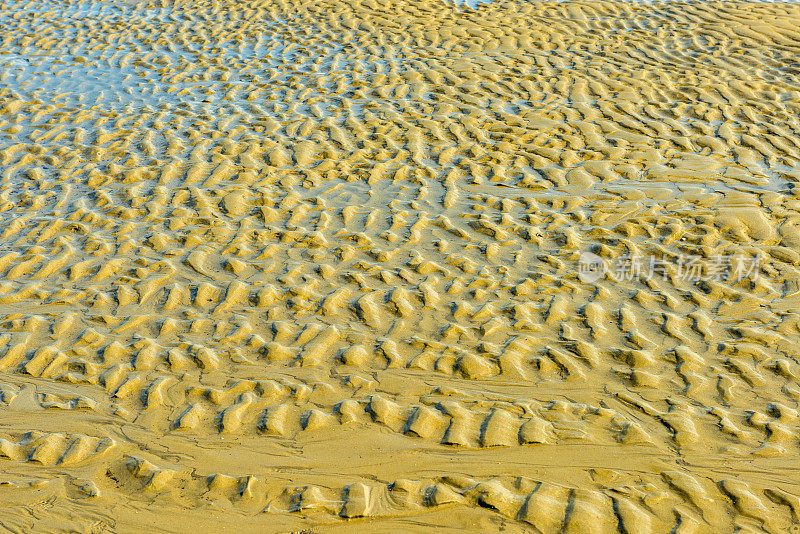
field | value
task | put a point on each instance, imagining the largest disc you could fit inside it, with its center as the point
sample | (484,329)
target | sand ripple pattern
(314,265)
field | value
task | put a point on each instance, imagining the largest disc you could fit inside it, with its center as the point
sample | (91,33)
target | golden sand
(270,266)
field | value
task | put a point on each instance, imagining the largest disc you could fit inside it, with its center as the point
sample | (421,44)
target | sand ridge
(293,265)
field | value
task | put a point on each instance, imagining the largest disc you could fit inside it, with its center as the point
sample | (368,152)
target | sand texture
(268,266)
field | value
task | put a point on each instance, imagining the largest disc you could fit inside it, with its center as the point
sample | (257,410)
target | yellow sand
(268,266)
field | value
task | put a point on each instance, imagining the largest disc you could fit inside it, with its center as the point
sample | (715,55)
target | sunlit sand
(409,266)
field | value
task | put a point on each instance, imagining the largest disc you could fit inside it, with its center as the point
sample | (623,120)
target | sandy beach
(399,266)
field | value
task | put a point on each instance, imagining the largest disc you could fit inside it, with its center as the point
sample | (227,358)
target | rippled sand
(272,266)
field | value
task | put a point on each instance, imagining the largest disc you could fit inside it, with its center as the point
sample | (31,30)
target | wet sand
(268,266)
